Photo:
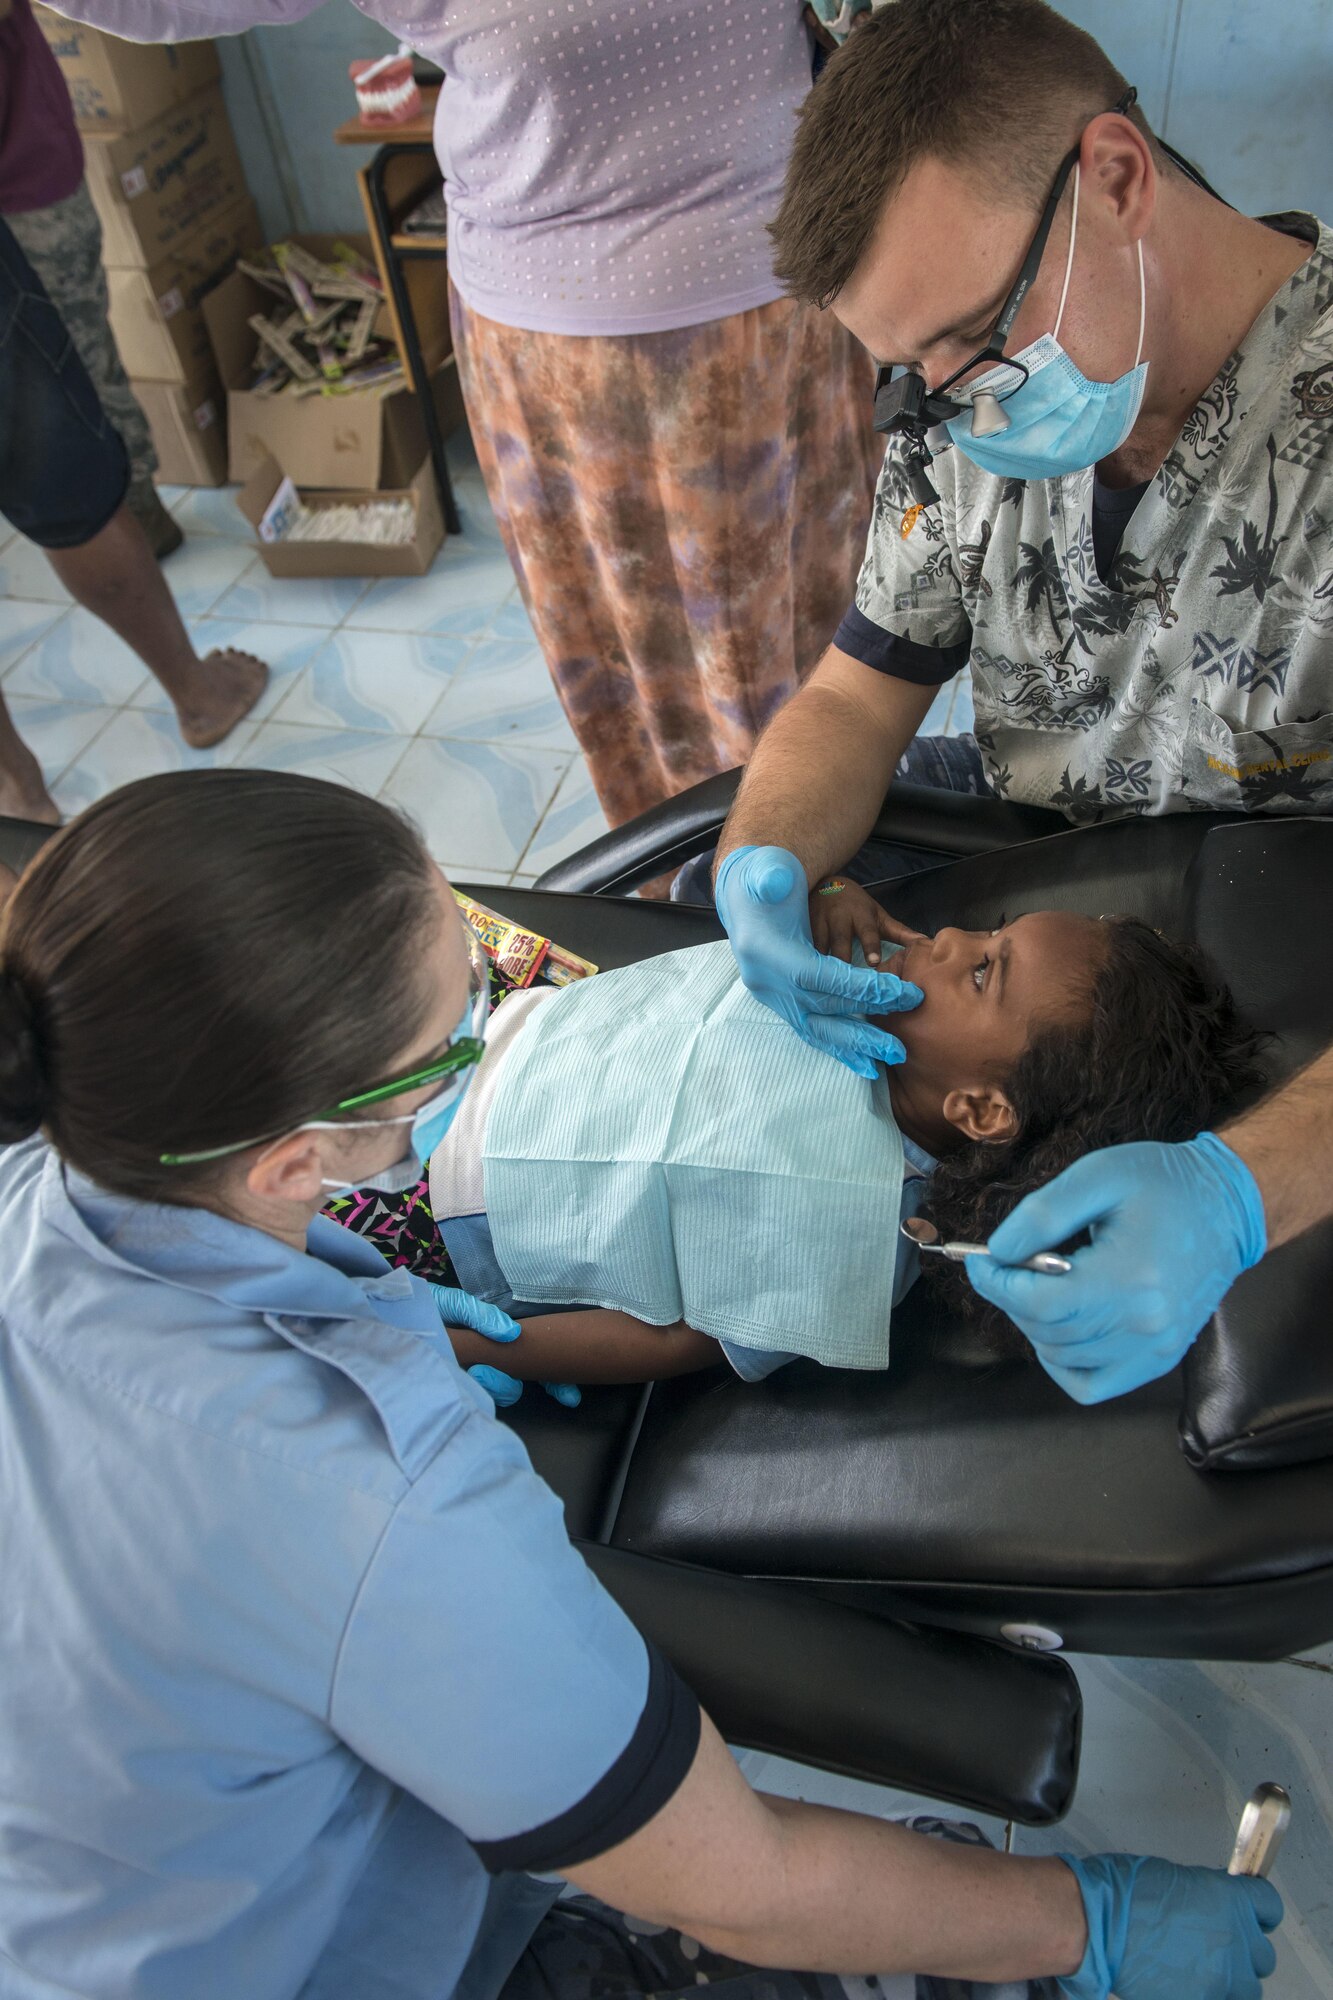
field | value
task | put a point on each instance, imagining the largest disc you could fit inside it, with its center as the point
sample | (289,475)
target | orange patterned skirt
(686,513)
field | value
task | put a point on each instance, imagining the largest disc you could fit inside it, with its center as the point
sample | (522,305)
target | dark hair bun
(23,1089)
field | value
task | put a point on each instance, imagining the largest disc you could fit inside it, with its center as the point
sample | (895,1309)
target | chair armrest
(948,823)
(783,1670)
(664,837)
(955,824)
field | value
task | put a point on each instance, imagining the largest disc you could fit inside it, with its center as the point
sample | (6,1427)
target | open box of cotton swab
(303,531)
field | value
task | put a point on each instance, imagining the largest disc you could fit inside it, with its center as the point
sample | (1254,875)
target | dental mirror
(927,1237)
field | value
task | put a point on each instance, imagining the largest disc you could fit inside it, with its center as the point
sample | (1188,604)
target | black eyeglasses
(903,403)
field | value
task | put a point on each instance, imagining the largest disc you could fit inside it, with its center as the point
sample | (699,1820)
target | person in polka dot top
(679,457)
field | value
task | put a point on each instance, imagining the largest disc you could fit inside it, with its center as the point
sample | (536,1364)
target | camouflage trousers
(583,1950)
(63,243)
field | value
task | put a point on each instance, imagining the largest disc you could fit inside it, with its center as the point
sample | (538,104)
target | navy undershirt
(1111,510)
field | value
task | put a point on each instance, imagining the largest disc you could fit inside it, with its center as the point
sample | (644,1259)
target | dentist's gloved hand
(1159,1932)
(1172,1229)
(762,900)
(459,1308)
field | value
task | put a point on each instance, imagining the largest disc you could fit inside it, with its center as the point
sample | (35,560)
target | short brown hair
(1005,85)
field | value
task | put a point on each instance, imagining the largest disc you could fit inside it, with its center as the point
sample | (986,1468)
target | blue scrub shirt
(297,1663)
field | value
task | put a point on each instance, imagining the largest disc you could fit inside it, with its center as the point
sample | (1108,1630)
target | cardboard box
(155,188)
(156,315)
(188,421)
(346,558)
(368,440)
(116,85)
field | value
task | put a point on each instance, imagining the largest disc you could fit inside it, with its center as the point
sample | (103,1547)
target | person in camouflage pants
(63,243)
(44,199)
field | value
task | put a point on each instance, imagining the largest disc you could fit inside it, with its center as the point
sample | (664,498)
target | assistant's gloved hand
(762,900)
(459,1308)
(1172,1229)
(1160,1932)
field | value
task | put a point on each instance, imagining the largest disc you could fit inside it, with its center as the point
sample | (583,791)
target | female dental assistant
(299,1671)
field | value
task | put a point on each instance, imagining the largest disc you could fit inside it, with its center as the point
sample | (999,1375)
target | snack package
(517,953)
(563,966)
(522,954)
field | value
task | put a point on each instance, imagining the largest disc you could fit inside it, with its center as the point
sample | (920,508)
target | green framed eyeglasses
(463,1053)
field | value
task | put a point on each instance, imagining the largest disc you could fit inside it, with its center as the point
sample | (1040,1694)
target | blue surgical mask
(1058,421)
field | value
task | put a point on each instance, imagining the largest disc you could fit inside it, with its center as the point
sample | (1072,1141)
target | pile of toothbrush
(325,342)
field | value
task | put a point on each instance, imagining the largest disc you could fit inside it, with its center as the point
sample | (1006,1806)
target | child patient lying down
(656,1149)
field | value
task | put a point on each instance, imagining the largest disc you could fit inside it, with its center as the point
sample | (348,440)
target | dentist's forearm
(775,1882)
(819,772)
(859,1893)
(1287,1144)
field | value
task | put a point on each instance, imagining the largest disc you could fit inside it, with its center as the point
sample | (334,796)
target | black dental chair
(875,1574)
(956,1497)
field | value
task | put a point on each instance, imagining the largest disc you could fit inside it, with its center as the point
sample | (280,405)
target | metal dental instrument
(927,1237)
(1265,1819)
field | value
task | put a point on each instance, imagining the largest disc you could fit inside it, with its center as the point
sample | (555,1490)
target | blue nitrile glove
(762,899)
(463,1309)
(1172,1229)
(1160,1932)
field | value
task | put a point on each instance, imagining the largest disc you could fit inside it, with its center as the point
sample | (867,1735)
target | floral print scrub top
(1199,675)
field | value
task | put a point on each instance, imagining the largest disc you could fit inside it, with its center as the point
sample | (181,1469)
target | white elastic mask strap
(1143,305)
(1069,260)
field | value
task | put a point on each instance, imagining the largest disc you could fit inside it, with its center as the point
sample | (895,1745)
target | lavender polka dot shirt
(610,164)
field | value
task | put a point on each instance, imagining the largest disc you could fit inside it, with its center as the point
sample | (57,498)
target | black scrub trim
(649,1770)
(889,653)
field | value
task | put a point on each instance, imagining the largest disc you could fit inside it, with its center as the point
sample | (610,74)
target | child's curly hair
(1162,1056)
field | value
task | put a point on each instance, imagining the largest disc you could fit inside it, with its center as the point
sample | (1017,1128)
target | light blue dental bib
(704,1165)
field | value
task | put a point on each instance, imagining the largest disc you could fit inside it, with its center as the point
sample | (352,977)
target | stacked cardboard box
(169,188)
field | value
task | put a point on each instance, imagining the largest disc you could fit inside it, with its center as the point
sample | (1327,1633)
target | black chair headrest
(1253,895)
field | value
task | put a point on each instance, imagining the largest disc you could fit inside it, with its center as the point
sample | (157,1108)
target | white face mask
(431,1120)
(428,1126)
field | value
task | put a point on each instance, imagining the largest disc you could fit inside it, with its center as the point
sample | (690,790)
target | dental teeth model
(386,91)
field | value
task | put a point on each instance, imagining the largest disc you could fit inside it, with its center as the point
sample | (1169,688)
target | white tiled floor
(432,693)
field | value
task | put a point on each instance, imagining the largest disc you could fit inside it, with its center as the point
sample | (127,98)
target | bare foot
(232,684)
(23,793)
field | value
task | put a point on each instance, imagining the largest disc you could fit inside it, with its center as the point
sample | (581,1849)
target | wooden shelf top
(413,132)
